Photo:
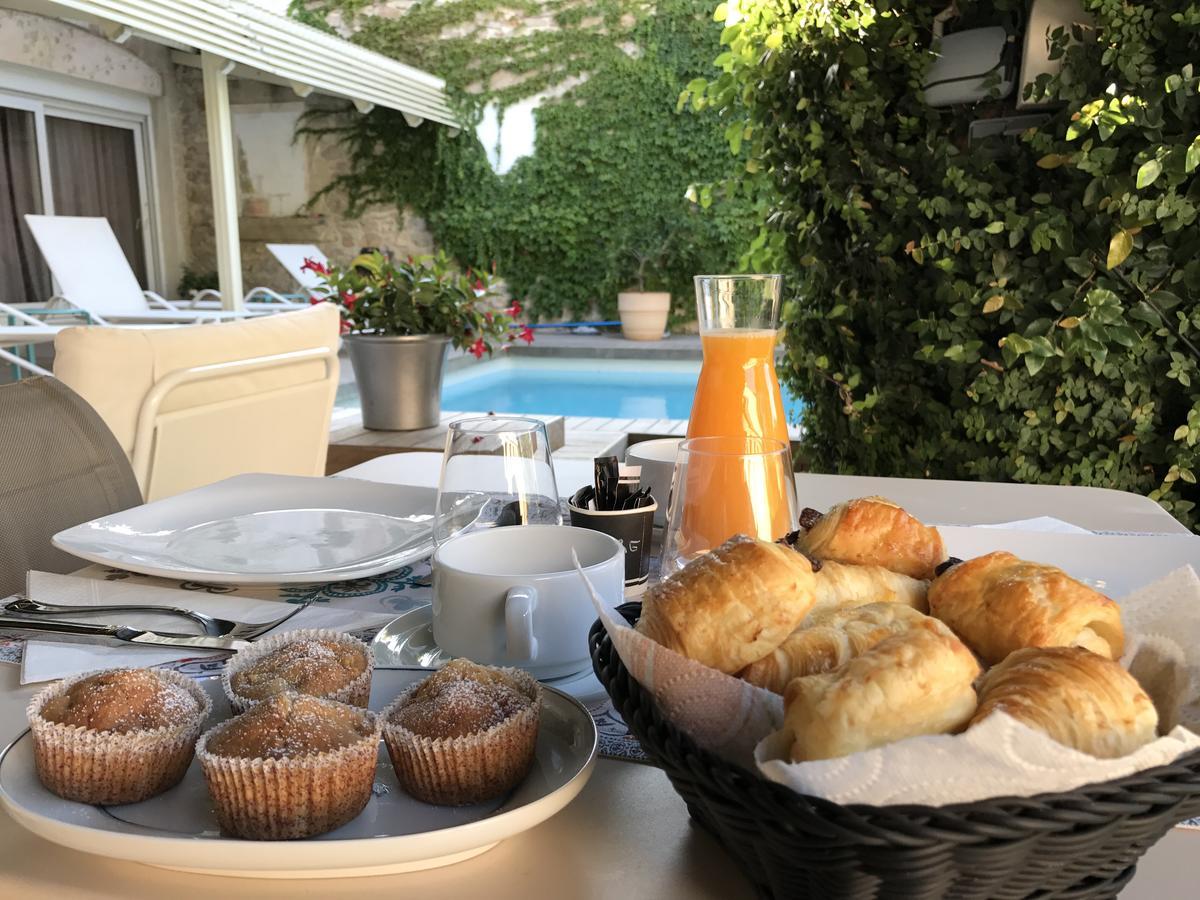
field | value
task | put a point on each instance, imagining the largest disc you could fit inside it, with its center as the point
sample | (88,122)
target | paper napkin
(46,659)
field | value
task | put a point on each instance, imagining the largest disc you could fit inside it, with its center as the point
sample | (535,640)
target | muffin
(116,736)
(465,734)
(293,766)
(319,663)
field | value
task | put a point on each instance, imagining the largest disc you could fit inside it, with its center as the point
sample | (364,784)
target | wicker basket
(1084,843)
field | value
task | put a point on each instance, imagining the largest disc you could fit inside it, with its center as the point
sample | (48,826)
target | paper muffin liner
(296,797)
(107,767)
(356,692)
(468,769)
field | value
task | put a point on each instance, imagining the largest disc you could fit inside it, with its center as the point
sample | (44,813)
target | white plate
(178,829)
(265,529)
(407,641)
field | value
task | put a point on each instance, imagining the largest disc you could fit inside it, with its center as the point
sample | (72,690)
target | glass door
(58,158)
(23,275)
(95,171)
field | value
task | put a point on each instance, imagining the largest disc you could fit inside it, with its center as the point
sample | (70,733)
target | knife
(124,633)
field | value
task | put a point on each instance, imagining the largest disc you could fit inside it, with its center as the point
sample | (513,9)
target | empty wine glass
(724,486)
(496,470)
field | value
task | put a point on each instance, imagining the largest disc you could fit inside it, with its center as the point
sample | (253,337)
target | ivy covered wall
(605,195)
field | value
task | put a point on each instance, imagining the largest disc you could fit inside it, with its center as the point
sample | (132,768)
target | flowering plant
(425,295)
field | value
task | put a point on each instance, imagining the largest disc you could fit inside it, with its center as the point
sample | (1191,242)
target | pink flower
(314,300)
(514,310)
(477,349)
(488,317)
(312,265)
(344,327)
(480,290)
(527,335)
(349,298)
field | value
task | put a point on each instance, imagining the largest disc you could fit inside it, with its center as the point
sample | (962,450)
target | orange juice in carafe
(737,396)
(738,393)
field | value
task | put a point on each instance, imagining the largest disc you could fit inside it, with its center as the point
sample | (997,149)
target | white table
(628,834)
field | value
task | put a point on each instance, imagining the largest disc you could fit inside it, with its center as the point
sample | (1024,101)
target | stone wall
(325,224)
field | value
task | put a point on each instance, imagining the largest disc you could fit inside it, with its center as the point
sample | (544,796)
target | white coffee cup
(511,596)
(657,459)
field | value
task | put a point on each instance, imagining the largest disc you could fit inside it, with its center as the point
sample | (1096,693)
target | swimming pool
(609,388)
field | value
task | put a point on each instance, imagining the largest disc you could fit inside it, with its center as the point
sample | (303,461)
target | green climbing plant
(1023,308)
(609,181)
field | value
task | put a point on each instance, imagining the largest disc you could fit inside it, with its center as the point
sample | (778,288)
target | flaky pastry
(731,606)
(913,683)
(1076,697)
(828,640)
(998,603)
(876,532)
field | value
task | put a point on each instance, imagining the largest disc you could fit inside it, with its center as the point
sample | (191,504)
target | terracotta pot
(643,314)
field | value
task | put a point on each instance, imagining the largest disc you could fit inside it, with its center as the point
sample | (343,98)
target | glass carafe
(737,397)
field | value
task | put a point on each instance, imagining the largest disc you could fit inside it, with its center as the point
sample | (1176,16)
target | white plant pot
(643,314)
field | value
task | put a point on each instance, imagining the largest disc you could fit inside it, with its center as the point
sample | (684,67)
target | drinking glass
(496,470)
(724,486)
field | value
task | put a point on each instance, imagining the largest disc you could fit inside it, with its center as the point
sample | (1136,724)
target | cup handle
(519,604)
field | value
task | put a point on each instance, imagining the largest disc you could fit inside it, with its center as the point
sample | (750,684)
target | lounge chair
(18,330)
(292,257)
(93,274)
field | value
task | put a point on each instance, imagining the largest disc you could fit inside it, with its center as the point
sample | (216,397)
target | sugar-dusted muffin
(116,736)
(293,766)
(319,663)
(465,734)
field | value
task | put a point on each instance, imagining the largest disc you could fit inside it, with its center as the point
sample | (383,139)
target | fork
(216,627)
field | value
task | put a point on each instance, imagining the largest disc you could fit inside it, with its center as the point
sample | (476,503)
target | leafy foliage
(1015,308)
(426,295)
(603,202)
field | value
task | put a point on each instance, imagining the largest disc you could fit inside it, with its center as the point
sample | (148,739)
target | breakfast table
(628,833)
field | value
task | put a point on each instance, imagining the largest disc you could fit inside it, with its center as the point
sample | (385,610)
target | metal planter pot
(399,379)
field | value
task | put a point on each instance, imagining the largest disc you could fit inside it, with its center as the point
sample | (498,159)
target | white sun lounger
(93,274)
(292,257)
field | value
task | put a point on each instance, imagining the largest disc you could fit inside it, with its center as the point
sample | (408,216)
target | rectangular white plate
(265,529)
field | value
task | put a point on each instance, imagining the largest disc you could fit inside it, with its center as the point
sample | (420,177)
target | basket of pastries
(854,715)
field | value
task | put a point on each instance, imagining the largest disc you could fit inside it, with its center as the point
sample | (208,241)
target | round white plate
(265,529)
(407,641)
(395,833)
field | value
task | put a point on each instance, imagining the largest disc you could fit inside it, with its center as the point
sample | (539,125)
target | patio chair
(93,274)
(191,406)
(62,467)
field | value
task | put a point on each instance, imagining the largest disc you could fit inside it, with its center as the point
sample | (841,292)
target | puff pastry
(913,683)
(875,531)
(842,584)
(731,606)
(829,639)
(1076,697)
(998,603)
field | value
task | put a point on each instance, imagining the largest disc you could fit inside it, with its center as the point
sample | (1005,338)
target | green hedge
(1018,310)
(604,197)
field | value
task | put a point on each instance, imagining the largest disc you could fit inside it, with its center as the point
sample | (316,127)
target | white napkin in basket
(999,757)
(49,659)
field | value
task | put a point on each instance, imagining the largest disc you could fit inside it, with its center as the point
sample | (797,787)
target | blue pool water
(609,388)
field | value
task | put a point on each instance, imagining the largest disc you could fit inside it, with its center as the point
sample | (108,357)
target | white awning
(298,54)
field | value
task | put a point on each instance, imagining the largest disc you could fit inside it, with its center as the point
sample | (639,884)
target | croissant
(1076,697)
(827,640)
(912,683)
(875,532)
(998,603)
(840,584)
(731,606)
